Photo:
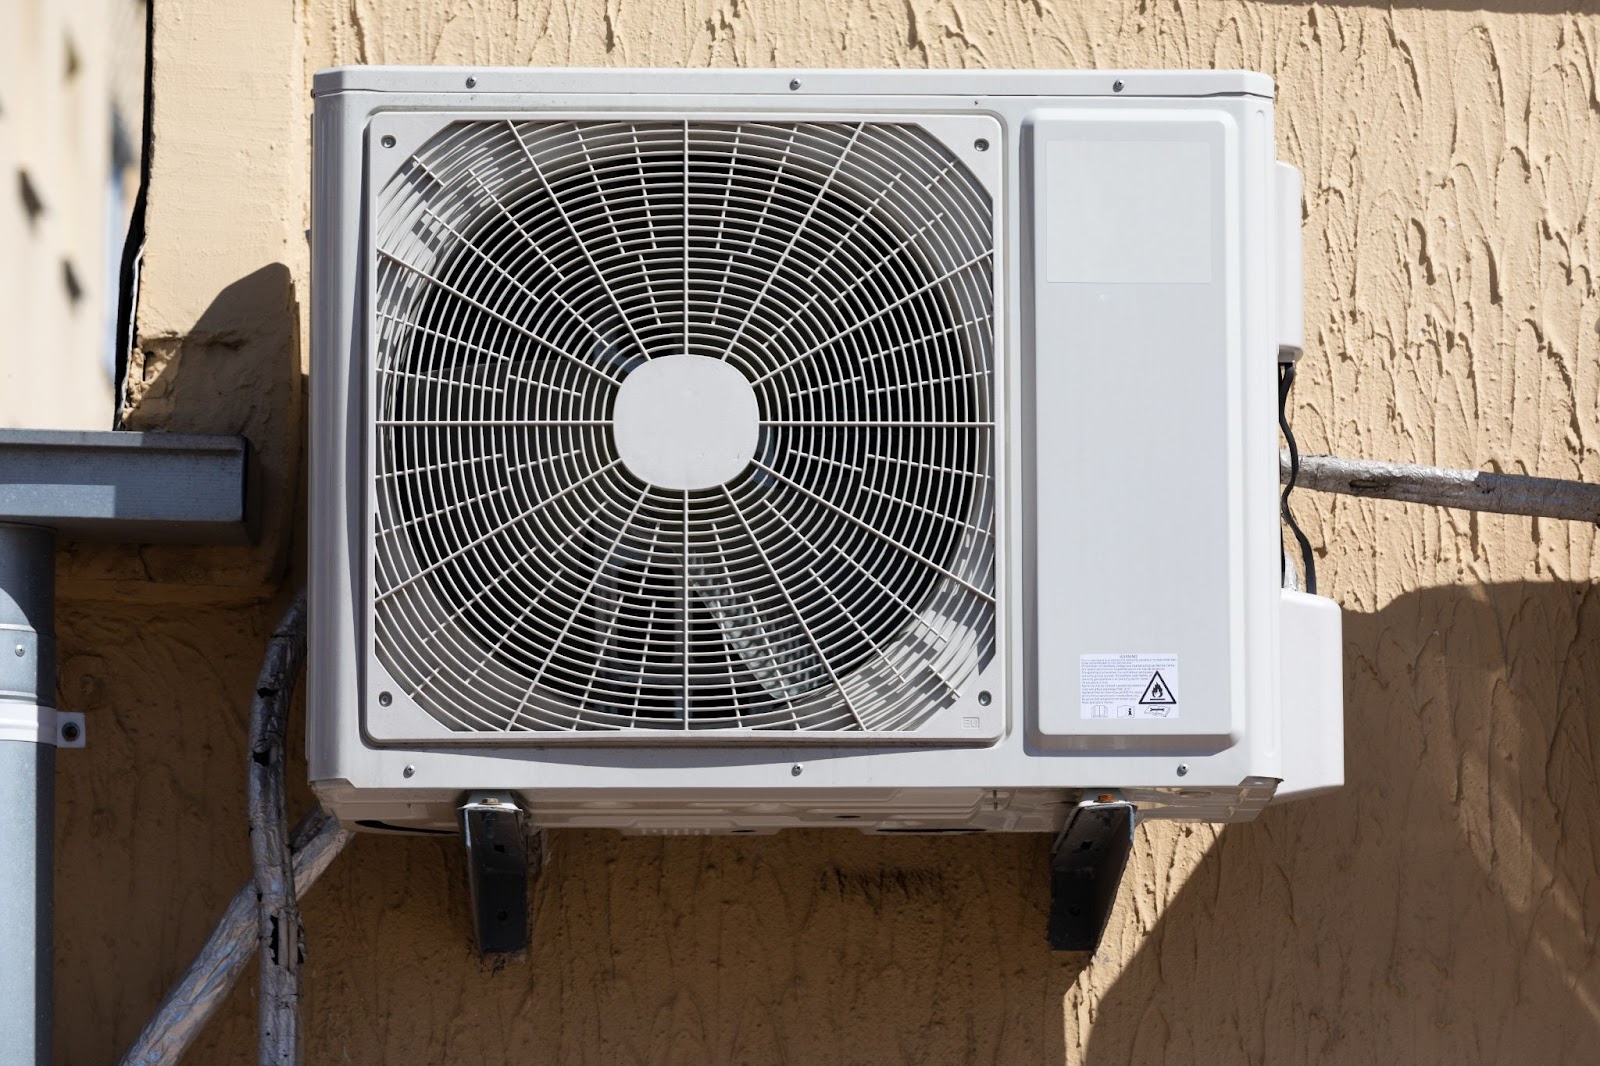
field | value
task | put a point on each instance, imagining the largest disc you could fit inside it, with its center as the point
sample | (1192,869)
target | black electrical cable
(1285,383)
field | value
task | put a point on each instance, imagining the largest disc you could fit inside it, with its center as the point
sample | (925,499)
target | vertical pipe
(27,793)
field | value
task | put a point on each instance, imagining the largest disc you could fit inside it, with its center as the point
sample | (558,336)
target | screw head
(387,140)
(472,83)
(981,144)
(984,699)
(21,651)
(384,699)
(1116,86)
(796,770)
(69,732)
(409,771)
(1183,769)
(793,85)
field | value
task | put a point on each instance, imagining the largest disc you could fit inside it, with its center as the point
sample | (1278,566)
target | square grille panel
(683,425)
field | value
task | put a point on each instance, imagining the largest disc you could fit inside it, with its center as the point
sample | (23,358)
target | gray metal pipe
(27,792)
(27,828)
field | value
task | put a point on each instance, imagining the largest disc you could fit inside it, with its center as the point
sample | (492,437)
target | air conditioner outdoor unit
(724,451)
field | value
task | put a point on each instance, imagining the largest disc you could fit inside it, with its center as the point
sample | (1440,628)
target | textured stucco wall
(1444,907)
(71,76)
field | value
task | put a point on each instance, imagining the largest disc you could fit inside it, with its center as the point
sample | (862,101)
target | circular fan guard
(526,579)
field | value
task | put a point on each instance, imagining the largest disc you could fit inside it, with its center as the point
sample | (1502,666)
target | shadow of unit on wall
(1444,906)
(822,947)
(236,369)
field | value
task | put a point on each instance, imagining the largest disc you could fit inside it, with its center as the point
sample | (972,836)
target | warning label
(1128,687)
(1157,692)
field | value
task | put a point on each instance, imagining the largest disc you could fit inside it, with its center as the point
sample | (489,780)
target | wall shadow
(819,947)
(235,370)
(1444,906)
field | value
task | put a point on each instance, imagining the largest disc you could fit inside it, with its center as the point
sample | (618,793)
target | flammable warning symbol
(1157,691)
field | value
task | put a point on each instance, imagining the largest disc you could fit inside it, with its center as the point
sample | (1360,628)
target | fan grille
(528,578)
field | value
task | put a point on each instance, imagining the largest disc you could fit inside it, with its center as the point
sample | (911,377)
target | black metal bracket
(493,827)
(1086,865)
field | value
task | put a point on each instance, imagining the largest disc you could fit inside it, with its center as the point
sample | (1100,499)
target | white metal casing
(1138,266)
(1312,683)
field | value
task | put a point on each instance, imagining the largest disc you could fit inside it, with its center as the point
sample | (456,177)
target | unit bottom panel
(929,811)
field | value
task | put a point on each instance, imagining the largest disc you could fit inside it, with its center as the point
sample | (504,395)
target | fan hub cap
(686,422)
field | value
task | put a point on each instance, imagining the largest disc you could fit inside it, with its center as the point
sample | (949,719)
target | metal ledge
(147,488)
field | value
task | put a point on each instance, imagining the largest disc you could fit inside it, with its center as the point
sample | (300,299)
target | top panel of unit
(1053,83)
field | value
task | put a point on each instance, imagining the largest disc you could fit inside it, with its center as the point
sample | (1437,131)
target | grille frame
(977,714)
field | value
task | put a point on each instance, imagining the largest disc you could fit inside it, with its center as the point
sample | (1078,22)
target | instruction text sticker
(1128,687)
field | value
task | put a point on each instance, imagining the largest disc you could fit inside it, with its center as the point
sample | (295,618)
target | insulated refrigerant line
(200,992)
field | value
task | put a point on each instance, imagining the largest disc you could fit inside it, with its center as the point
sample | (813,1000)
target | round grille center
(685,422)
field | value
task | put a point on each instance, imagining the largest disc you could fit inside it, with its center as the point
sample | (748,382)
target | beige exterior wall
(1443,907)
(65,69)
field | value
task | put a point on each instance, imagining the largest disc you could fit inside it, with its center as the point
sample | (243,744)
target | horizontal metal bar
(135,487)
(1469,490)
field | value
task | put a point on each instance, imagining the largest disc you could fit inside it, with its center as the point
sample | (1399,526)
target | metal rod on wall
(1469,490)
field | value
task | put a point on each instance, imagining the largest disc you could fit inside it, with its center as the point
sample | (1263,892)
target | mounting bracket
(1086,865)
(494,830)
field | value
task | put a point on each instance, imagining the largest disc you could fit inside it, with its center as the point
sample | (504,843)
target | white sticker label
(1128,687)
